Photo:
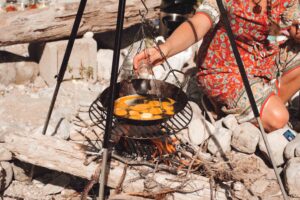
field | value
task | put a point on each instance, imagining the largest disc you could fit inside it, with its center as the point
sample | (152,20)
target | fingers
(150,56)
(138,58)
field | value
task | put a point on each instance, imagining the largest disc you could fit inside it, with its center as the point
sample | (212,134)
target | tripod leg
(63,67)
(65,60)
(110,108)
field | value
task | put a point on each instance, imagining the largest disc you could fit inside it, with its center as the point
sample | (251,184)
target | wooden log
(55,22)
(50,152)
(68,157)
(59,155)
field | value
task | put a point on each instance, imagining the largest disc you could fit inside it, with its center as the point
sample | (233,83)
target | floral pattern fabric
(219,75)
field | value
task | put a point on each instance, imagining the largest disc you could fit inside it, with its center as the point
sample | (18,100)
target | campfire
(166,150)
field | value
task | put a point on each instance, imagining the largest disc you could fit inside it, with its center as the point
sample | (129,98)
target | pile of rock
(219,143)
(227,136)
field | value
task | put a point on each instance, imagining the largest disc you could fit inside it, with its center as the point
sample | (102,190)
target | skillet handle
(180,84)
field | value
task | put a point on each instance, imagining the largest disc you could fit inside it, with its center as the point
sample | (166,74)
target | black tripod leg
(65,60)
(250,93)
(110,108)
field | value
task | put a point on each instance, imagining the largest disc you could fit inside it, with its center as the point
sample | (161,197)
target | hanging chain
(147,30)
(140,32)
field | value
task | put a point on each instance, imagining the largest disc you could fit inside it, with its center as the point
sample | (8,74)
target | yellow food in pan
(156,111)
(137,117)
(146,116)
(133,112)
(154,103)
(141,108)
(169,112)
(120,112)
(156,117)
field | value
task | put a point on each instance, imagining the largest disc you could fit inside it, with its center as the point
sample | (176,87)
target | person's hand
(295,32)
(151,56)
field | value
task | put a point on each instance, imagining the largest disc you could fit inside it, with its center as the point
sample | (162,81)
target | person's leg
(288,61)
(274,114)
(289,84)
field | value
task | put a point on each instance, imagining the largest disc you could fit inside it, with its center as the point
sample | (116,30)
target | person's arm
(186,35)
(182,38)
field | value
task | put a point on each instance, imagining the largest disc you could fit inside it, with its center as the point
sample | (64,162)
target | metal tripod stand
(113,80)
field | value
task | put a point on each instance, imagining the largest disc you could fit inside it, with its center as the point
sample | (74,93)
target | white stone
(88,34)
(39,130)
(292,177)
(18,49)
(245,138)
(69,192)
(5,155)
(105,58)
(230,122)
(199,129)
(39,82)
(219,142)
(259,186)
(289,151)
(277,143)
(21,171)
(26,72)
(183,136)
(6,175)
(62,112)
(82,63)
(34,96)
(218,123)
(297,150)
(238,186)
(7,73)
(57,184)
(63,129)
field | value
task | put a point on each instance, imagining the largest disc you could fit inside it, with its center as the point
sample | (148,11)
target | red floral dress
(219,75)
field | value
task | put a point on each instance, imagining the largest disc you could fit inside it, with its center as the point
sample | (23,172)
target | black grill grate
(172,126)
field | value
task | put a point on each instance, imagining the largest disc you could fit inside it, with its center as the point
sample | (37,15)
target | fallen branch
(92,182)
(118,189)
(162,192)
(171,170)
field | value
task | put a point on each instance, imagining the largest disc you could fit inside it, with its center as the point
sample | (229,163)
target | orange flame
(164,146)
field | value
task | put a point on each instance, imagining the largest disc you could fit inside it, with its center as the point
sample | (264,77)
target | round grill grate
(172,126)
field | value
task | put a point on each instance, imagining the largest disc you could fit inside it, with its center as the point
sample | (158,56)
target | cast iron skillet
(146,87)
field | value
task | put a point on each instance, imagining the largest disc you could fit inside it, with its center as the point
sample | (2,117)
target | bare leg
(289,84)
(274,114)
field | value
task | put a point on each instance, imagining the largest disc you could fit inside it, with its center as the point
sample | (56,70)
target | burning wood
(164,146)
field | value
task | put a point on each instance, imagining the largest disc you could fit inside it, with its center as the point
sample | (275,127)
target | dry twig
(163,192)
(171,170)
(118,189)
(94,180)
